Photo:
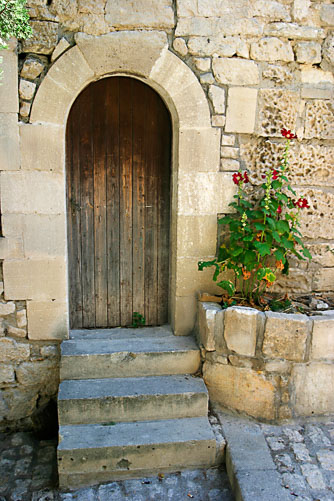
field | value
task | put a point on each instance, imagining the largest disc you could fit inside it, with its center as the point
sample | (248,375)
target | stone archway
(198,189)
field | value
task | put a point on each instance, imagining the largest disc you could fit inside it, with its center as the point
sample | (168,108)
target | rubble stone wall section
(271,366)
(29,370)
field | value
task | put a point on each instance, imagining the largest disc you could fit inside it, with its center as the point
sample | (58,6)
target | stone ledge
(256,363)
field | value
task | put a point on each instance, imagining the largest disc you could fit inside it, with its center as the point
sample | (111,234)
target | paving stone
(317,436)
(326,459)
(301,452)
(276,444)
(285,462)
(313,476)
(45,495)
(293,435)
(295,483)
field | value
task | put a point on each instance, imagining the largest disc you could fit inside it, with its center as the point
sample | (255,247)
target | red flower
(263,176)
(279,209)
(301,203)
(288,134)
(275,174)
(238,178)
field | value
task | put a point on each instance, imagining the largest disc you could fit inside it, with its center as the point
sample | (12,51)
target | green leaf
(270,275)
(225,220)
(257,214)
(307,253)
(248,238)
(269,239)
(228,286)
(234,225)
(249,257)
(299,240)
(206,264)
(263,248)
(282,196)
(222,253)
(282,226)
(276,236)
(14,20)
(216,273)
(292,190)
(279,254)
(276,184)
(271,222)
(296,253)
(245,203)
(236,252)
(288,244)
(260,226)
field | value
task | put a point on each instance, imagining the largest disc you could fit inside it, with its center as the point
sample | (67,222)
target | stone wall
(263,66)
(271,366)
(260,65)
(29,371)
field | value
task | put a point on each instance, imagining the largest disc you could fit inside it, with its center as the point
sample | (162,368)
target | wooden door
(118,144)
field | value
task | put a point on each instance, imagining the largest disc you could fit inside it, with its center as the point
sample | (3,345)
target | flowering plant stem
(262,233)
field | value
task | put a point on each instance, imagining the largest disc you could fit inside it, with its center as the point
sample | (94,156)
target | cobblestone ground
(304,456)
(28,472)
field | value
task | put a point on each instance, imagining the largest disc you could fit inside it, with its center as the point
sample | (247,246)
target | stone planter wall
(271,366)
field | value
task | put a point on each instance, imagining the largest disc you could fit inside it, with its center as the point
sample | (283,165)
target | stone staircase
(129,407)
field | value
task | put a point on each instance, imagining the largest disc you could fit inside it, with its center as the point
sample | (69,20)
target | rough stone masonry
(262,65)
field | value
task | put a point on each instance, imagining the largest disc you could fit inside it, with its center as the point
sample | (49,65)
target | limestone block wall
(232,73)
(262,65)
(271,366)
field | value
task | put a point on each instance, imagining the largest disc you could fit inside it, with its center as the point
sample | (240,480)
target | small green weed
(138,320)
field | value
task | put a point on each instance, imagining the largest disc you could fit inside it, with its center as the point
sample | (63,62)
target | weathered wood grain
(118,145)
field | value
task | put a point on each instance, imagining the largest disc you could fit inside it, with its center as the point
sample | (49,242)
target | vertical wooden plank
(73,217)
(113,216)
(139,200)
(125,155)
(87,206)
(151,248)
(163,208)
(99,135)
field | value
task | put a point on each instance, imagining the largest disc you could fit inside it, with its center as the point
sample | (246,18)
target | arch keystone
(122,51)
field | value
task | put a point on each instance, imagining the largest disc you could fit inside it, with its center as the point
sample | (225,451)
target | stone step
(131,399)
(127,353)
(93,453)
(122,333)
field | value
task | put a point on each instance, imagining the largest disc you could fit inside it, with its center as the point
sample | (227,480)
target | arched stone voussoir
(63,82)
(178,85)
(131,52)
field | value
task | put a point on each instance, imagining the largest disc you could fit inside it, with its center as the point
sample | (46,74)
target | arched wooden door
(118,144)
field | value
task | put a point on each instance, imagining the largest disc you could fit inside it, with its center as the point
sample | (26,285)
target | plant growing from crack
(138,320)
(262,233)
(14,22)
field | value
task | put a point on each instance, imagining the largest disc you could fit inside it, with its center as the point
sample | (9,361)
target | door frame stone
(198,190)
